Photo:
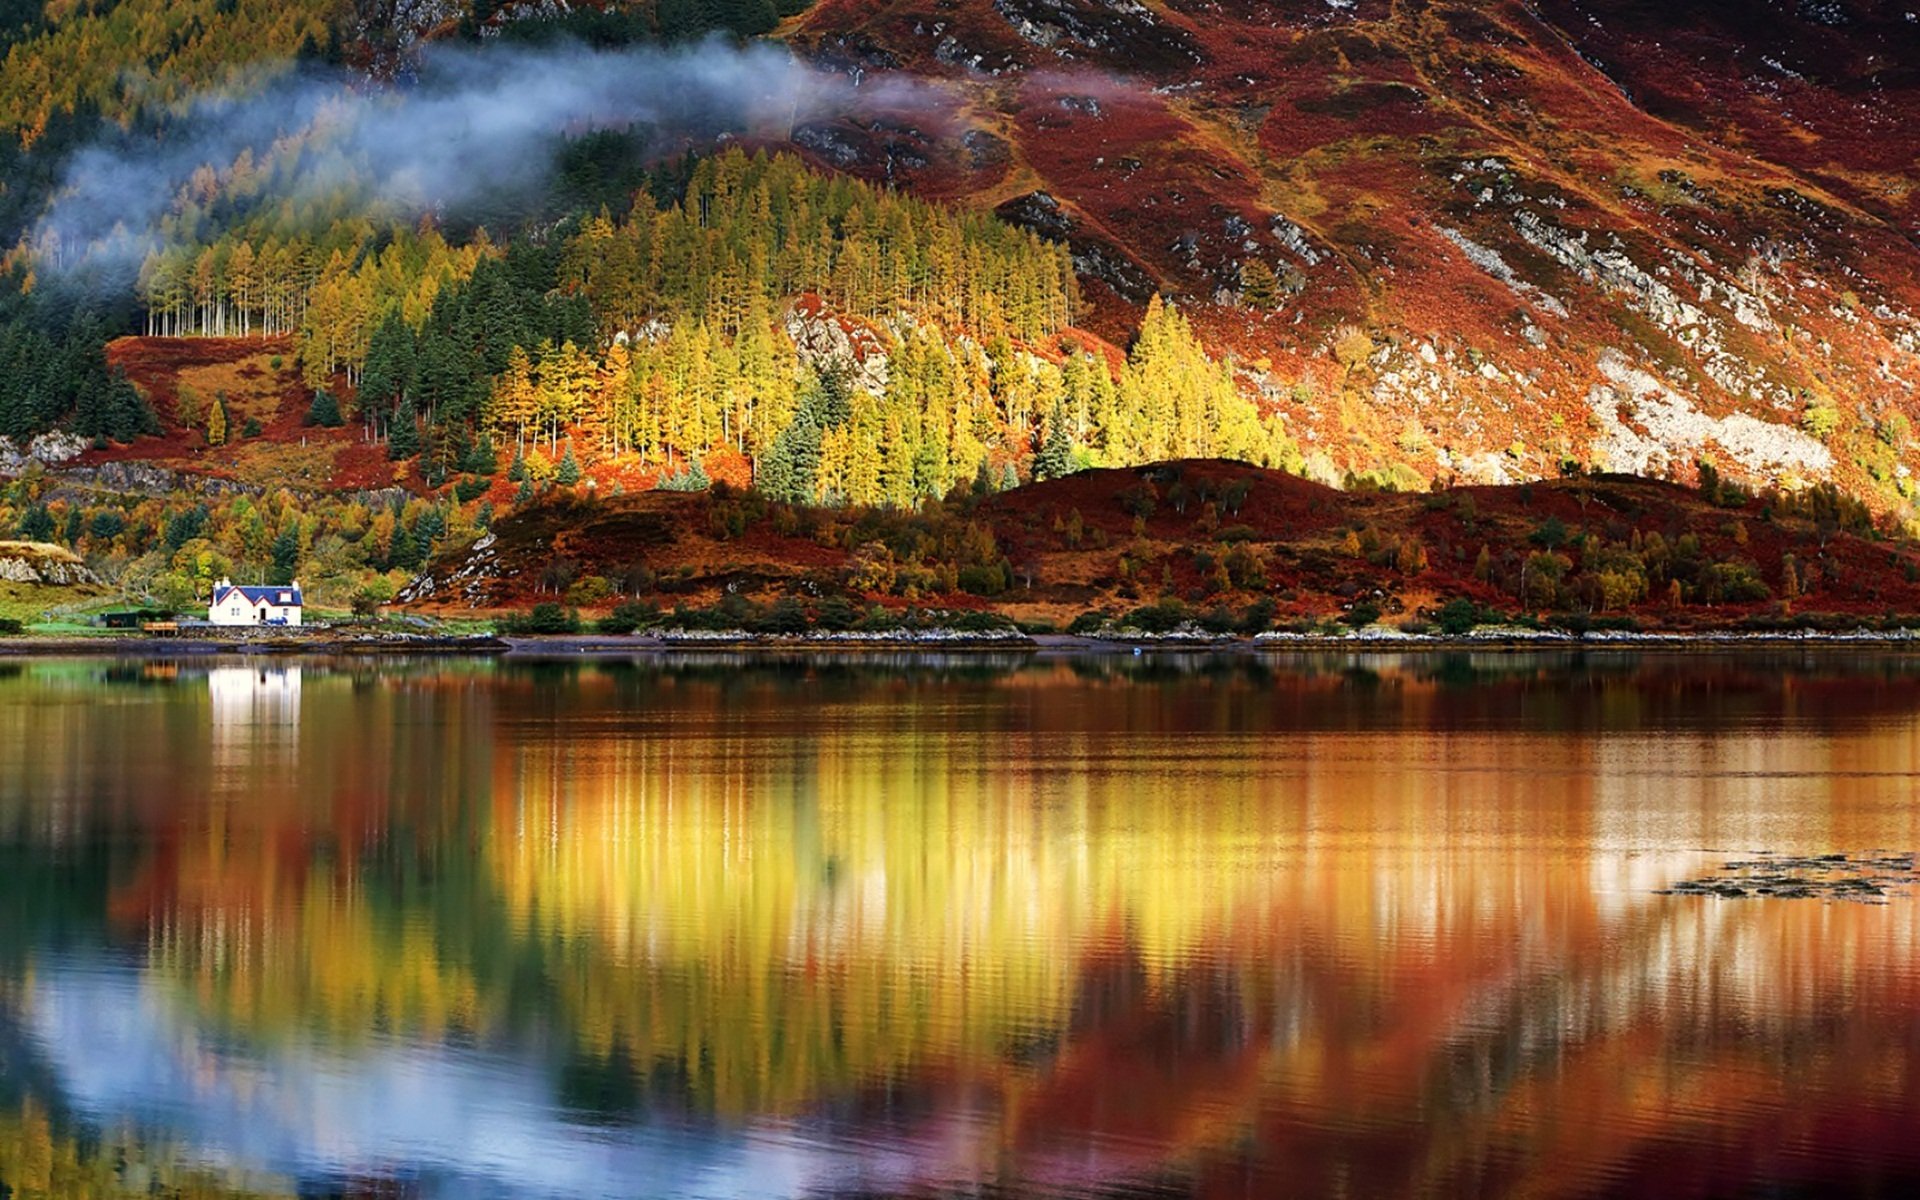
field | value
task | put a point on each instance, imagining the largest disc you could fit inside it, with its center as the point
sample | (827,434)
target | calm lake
(1315,925)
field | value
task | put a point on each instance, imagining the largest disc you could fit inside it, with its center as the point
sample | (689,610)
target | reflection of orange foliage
(1378,932)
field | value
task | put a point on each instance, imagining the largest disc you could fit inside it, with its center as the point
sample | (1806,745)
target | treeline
(63,378)
(345,550)
(695,306)
(666,336)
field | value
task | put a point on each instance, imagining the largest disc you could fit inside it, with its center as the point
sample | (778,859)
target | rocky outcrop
(1647,428)
(1119,31)
(1093,258)
(49,449)
(41,562)
(829,342)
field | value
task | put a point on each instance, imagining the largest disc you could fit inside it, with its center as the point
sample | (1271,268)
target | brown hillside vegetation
(1212,538)
(1435,235)
(259,378)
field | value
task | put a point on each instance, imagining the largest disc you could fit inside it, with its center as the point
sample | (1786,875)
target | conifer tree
(325,410)
(403,436)
(286,556)
(1055,460)
(1259,287)
(569,472)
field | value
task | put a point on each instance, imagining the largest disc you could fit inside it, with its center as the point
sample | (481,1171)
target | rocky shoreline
(334,642)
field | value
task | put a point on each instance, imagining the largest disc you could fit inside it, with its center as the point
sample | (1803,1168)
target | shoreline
(944,640)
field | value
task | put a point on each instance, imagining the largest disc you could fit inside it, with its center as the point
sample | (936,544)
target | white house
(254,605)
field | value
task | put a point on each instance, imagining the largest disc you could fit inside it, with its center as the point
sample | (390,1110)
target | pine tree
(569,472)
(1259,287)
(1055,460)
(325,411)
(286,556)
(403,437)
(36,524)
(791,471)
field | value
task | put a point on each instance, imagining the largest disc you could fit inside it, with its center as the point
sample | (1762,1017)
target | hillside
(1379,244)
(1203,539)
(1500,235)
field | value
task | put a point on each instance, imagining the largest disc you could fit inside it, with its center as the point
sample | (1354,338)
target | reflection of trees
(39,1161)
(900,905)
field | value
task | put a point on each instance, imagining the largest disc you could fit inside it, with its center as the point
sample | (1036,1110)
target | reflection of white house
(254,605)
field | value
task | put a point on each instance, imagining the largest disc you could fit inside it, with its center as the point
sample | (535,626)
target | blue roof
(278,596)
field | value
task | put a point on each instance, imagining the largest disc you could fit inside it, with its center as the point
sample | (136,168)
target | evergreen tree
(390,365)
(1055,459)
(1259,287)
(569,472)
(325,411)
(36,524)
(403,438)
(793,467)
(480,458)
(286,556)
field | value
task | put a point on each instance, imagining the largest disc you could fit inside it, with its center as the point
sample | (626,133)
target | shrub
(1090,622)
(979,622)
(1258,617)
(987,580)
(785,617)
(1820,420)
(1163,617)
(545,618)
(591,590)
(1732,583)
(11,626)
(1362,614)
(1460,615)
(1218,619)
(627,617)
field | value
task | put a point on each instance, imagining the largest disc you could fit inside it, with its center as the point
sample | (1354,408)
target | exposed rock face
(1647,428)
(40,562)
(1121,31)
(1093,258)
(145,479)
(829,342)
(49,449)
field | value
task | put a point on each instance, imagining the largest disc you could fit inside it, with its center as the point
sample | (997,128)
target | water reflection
(726,926)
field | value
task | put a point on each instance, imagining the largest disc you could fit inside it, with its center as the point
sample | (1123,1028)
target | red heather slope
(1209,534)
(1505,234)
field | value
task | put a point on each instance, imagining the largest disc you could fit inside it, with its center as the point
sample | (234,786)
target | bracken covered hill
(1212,536)
(1502,235)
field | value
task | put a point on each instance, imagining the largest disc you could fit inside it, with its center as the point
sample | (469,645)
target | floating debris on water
(1865,879)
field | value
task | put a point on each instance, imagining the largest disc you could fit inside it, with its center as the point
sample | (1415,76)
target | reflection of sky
(461,1121)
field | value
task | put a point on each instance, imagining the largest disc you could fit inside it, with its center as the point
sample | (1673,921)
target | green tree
(286,556)
(403,438)
(325,410)
(36,524)
(1055,459)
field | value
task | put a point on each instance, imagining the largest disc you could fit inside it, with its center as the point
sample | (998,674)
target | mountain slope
(1504,235)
